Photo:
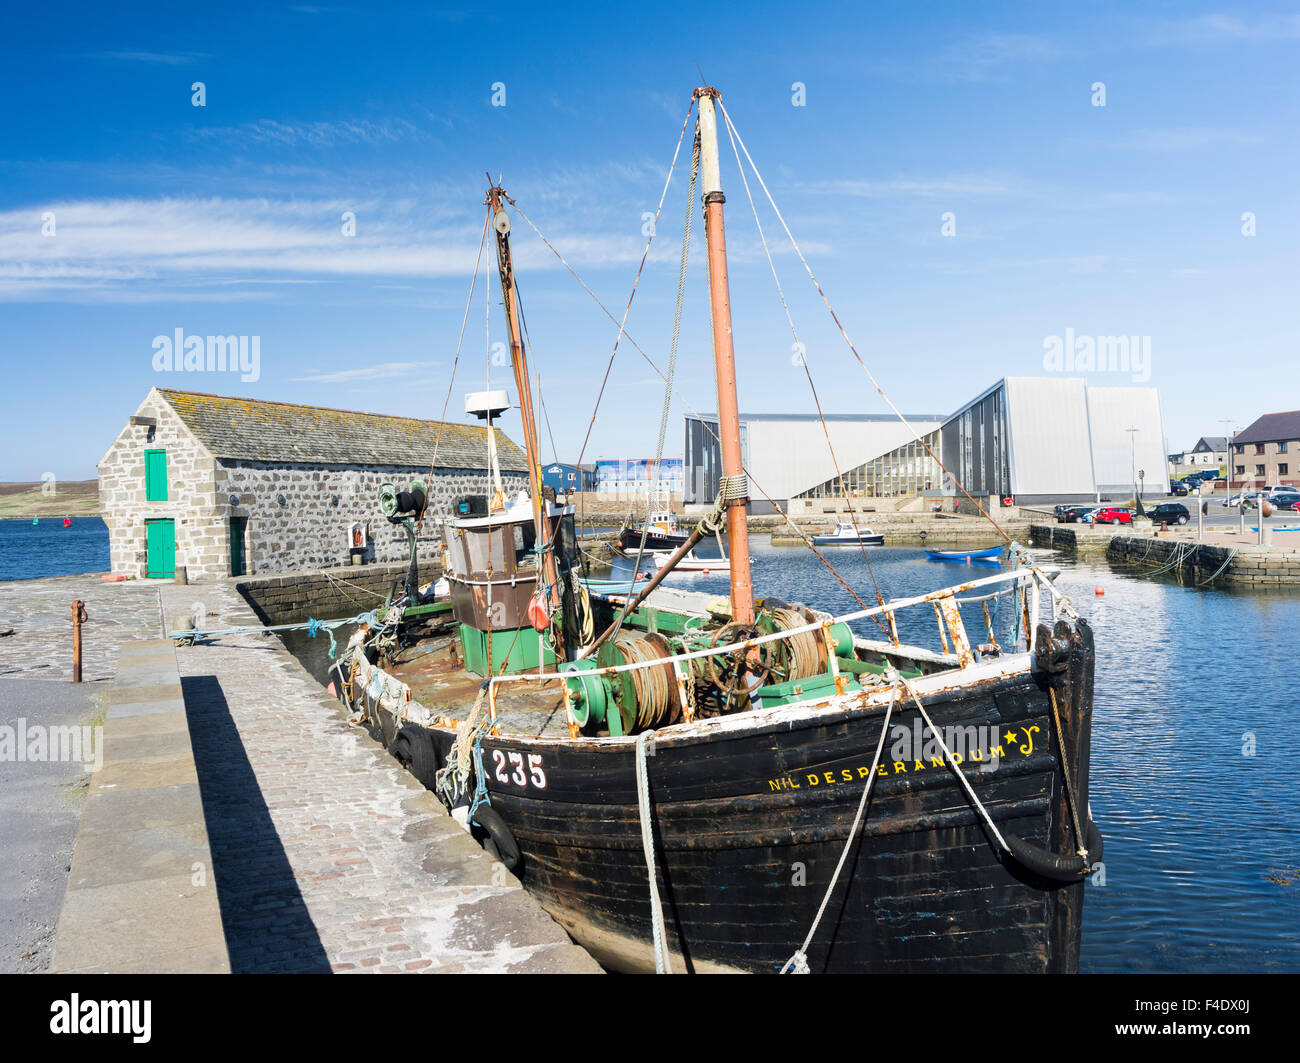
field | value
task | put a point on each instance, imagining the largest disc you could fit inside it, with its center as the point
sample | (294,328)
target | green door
(160,536)
(155,476)
(237,525)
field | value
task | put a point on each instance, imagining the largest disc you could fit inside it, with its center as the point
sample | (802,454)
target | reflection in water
(1187,679)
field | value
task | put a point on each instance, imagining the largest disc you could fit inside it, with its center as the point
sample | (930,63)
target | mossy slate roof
(257,430)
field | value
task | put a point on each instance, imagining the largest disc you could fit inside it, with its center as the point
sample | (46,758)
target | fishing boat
(689,783)
(847,534)
(991,554)
(660,532)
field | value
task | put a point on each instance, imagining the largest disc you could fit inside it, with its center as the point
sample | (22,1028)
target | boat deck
(438,680)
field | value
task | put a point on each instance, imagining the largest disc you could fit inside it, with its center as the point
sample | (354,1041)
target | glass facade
(907,470)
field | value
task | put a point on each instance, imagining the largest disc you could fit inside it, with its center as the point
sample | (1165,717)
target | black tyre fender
(1052,865)
(498,836)
(414,749)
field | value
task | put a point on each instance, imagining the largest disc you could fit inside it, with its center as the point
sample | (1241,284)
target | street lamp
(1132,436)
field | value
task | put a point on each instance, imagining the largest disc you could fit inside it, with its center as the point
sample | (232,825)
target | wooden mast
(519,362)
(734,482)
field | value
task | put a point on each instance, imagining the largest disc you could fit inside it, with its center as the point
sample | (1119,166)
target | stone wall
(1264,566)
(326,593)
(309,528)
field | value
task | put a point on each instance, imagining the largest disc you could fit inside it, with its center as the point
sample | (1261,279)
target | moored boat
(848,534)
(689,783)
(990,554)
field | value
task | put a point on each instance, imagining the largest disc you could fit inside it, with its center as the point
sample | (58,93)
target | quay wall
(1250,565)
(326,593)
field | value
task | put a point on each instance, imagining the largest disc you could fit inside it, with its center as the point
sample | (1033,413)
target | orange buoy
(332,692)
(537,613)
(1100,591)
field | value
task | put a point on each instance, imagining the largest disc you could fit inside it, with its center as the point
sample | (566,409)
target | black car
(1180,489)
(1169,513)
(1071,514)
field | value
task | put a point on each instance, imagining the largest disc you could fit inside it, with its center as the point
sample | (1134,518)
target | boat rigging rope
(798,963)
(648,847)
(834,317)
(686,405)
(803,361)
(442,421)
(673,343)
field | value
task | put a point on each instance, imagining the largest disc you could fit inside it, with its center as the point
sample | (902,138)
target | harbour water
(1194,775)
(34,551)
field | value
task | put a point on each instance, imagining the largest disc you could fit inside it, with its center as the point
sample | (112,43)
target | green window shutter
(155,475)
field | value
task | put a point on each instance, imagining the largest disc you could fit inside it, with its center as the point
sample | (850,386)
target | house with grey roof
(1267,451)
(220,486)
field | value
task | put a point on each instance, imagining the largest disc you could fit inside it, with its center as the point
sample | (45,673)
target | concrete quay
(325,855)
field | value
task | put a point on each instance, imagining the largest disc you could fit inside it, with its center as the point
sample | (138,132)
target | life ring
(1052,865)
(500,842)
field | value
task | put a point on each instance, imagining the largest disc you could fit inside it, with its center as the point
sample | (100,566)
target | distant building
(225,486)
(1033,438)
(1209,451)
(1266,452)
(628,477)
(787,457)
(564,478)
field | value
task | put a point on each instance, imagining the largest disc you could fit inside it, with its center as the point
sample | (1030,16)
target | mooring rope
(659,933)
(798,963)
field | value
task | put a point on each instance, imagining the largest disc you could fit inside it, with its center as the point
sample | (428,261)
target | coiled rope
(653,692)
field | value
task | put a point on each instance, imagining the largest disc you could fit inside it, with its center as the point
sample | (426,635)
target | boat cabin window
(498,548)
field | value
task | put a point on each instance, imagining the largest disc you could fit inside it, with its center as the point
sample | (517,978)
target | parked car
(1169,513)
(1284,497)
(1295,506)
(1113,515)
(1246,501)
(1071,514)
(1181,489)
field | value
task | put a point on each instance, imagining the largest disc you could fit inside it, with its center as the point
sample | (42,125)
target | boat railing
(946,602)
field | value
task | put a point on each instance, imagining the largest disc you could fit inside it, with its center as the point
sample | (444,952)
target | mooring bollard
(79,617)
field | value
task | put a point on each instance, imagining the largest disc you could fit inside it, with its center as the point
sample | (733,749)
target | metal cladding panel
(1111,412)
(788,457)
(1047,419)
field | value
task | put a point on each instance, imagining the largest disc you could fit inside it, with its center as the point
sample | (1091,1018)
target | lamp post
(1132,439)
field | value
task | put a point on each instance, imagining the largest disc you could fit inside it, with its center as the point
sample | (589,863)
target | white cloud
(380,371)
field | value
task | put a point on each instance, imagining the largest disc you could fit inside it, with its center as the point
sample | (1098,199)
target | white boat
(692,562)
(846,533)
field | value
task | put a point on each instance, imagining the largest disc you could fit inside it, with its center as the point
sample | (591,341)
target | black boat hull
(750,822)
(629,539)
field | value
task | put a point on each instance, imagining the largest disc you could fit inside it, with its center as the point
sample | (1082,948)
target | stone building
(225,486)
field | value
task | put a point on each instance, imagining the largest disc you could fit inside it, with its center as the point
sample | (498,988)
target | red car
(1114,515)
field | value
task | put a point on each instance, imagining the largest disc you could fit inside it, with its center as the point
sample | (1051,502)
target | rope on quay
(311,625)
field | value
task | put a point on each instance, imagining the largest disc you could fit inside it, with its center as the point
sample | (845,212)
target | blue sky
(226,219)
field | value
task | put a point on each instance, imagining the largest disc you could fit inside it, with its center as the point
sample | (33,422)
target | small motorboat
(991,554)
(846,533)
(693,562)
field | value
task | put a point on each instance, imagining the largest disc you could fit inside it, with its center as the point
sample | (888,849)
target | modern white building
(787,456)
(1032,438)
(1040,438)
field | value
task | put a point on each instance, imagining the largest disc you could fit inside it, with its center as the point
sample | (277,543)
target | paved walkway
(327,855)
